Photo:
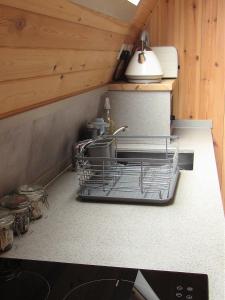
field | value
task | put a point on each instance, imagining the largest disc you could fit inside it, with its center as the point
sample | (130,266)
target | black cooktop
(40,280)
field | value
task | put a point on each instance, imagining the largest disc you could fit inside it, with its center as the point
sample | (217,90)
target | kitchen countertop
(187,236)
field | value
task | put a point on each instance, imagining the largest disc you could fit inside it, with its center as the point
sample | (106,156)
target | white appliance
(168,58)
(144,66)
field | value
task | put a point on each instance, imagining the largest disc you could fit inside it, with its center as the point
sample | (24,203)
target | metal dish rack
(108,177)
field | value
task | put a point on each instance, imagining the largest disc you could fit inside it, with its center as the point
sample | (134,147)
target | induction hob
(40,280)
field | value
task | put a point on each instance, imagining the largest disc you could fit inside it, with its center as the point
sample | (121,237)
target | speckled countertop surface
(186,236)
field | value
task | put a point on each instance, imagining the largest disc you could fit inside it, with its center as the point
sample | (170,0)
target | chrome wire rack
(110,171)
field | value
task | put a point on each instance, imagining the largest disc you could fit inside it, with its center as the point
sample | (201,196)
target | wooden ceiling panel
(68,11)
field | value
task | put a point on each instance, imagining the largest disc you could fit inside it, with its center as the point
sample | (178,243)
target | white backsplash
(145,113)
(36,145)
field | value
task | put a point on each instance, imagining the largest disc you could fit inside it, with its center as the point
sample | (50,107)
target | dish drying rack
(105,176)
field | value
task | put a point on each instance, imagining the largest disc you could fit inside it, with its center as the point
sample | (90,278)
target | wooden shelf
(164,85)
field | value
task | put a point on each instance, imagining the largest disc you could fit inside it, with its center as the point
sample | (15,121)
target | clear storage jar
(6,230)
(19,207)
(37,197)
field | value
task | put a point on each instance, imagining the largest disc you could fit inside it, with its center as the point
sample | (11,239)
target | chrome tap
(78,149)
(122,128)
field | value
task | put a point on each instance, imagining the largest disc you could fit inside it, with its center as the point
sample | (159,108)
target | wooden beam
(144,9)
(139,21)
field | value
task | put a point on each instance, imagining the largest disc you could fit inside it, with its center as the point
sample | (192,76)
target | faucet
(122,128)
(80,146)
(77,149)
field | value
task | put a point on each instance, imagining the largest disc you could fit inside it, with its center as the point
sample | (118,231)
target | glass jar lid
(6,218)
(14,202)
(34,193)
(29,189)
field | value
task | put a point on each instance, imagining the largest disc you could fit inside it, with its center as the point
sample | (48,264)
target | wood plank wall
(197,29)
(53,49)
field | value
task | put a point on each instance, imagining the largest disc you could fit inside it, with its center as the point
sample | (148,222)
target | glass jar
(6,230)
(37,197)
(19,207)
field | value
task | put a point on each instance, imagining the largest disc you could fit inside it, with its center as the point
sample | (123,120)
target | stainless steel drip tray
(127,188)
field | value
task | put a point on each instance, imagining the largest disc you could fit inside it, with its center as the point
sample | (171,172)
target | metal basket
(105,175)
